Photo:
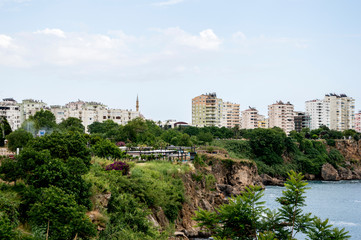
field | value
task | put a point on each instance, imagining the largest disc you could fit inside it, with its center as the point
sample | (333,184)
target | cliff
(207,186)
(350,168)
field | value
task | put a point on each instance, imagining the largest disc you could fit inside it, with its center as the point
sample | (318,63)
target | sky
(251,52)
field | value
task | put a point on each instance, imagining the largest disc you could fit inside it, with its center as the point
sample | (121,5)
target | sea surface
(340,202)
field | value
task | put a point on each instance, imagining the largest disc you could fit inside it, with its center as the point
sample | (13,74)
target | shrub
(331,142)
(119,166)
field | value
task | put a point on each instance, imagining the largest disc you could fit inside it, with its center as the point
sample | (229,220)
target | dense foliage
(245,216)
(276,154)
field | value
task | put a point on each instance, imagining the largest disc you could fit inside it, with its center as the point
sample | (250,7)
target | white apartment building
(281,115)
(29,107)
(340,112)
(230,115)
(90,112)
(250,118)
(10,109)
(358,122)
(337,112)
(315,109)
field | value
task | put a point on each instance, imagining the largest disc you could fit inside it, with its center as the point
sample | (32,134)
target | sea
(339,201)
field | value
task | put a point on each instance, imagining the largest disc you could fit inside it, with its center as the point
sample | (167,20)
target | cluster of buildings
(88,112)
(334,111)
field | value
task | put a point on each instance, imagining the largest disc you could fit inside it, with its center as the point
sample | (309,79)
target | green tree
(60,211)
(5,130)
(205,137)
(43,119)
(18,139)
(245,217)
(71,124)
(107,149)
(267,145)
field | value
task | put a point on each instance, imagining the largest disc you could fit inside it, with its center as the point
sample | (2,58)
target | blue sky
(251,52)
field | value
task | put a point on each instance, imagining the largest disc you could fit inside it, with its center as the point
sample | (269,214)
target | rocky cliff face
(230,178)
(351,168)
(350,149)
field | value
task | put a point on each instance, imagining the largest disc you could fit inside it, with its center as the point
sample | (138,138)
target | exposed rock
(180,235)
(159,217)
(310,176)
(97,219)
(329,173)
(350,149)
(344,173)
(268,180)
(231,177)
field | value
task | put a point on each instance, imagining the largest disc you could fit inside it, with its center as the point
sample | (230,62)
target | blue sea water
(340,202)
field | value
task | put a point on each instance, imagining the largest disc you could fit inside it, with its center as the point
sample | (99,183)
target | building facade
(10,110)
(340,112)
(250,118)
(337,112)
(207,110)
(230,115)
(358,122)
(281,115)
(262,121)
(302,120)
(316,111)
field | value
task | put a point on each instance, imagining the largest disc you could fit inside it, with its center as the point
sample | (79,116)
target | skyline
(167,52)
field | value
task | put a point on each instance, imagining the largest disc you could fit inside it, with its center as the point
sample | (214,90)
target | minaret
(137,104)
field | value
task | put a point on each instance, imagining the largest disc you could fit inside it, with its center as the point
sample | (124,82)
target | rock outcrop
(268,180)
(329,173)
(231,177)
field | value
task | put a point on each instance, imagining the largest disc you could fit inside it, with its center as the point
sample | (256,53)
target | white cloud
(239,36)
(54,31)
(167,3)
(5,41)
(207,39)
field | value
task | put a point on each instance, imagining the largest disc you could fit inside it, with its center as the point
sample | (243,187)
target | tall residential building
(335,111)
(358,122)
(250,118)
(207,110)
(230,115)
(315,109)
(341,111)
(281,115)
(10,109)
(302,120)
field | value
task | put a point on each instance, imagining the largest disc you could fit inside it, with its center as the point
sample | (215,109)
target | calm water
(340,202)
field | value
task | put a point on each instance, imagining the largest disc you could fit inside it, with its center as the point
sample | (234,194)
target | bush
(107,149)
(65,217)
(123,167)
(331,142)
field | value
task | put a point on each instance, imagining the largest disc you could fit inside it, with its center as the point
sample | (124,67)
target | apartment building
(358,122)
(230,115)
(250,118)
(302,120)
(281,115)
(90,112)
(10,110)
(317,113)
(262,121)
(340,111)
(29,107)
(335,111)
(207,110)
